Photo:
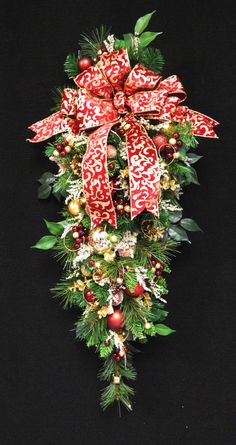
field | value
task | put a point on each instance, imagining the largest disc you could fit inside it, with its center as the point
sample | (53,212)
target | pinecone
(76,165)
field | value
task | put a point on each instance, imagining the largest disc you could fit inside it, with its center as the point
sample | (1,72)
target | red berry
(111,166)
(176,135)
(63,153)
(121,212)
(179,143)
(157,272)
(120,201)
(81,232)
(107,342)
(153,261)
(78,241)
(91,263)
(75,229)
(126,349)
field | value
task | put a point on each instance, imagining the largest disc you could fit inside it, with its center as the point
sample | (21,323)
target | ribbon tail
(96,186)
(48,127)
(202,125)
(143,170)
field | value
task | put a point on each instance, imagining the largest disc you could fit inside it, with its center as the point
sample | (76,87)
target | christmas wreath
(125,148)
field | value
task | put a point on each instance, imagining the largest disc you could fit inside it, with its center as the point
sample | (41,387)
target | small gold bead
(127,208)
(56,153)
(75,235)
(172,141)
(68,149)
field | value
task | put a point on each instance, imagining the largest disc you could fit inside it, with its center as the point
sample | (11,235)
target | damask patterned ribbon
(110,92)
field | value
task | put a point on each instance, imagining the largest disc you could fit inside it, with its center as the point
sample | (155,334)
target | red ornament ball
(115,320)
(138,290)
(160,141)
(89,296)
(85,63)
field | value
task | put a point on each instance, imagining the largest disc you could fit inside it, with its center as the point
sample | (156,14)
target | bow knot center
(119,102)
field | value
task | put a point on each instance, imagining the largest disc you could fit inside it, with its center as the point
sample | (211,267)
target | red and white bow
(111,93)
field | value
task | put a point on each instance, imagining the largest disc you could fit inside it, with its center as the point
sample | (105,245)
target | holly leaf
(148,37)
(55,228)
(45,243)
(178,234)
(143,22)
(162,329)
(190,225)
(44,191)
(47,178)
(175,216)
(192,158)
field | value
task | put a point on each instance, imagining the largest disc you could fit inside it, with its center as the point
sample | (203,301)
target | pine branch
(91,43)
(151,58)
(71,65)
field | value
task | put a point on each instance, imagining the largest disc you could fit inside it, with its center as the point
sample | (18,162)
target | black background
(49,388)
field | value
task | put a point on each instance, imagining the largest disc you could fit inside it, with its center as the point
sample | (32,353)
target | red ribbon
(110,92)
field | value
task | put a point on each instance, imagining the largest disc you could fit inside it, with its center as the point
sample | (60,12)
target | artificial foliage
(125,148)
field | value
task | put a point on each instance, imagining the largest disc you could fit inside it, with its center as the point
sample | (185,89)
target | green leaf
(192,158)
(175,216)
(162,329)
(44,191)
(129,39)
(55,228)
(143,22)
(192,177)
(148,37)
(190,224)
(47,178)
(119,44)
(178,234)
(46,242)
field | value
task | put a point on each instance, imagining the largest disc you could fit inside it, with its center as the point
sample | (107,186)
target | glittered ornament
(74,207)
(161,141)
(98,239)
(117,298)
(138,290)
(115,320)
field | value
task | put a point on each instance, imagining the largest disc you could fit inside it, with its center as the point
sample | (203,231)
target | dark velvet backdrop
(49,388)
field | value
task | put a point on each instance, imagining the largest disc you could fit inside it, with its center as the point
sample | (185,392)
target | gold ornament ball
(74,207)
(127,208)
(68,149)
(114,238)
(158,265)
(120,207)
(119,280)
(153,269)
(172,141)
(75,235)
(56,153)
(176,155)
(111,152)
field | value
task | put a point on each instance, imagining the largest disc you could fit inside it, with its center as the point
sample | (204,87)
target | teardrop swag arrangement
(125,148)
